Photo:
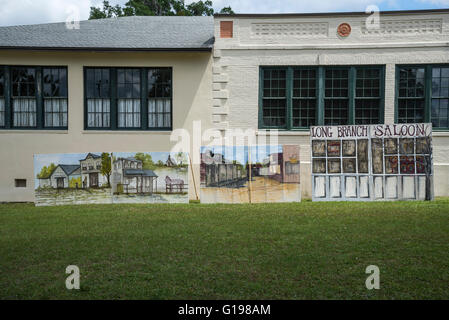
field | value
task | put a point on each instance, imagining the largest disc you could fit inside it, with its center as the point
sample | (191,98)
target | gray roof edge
(109,49)
(331,14)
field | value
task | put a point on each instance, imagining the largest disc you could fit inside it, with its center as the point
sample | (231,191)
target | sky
(240,153)
(19,12)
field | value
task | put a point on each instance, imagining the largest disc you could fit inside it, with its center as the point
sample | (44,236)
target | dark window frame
(39,95)
(55,97)
(428,75)
(114,100)
(320,94)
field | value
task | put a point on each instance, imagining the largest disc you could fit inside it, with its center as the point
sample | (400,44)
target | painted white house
(91,173)
(63,173)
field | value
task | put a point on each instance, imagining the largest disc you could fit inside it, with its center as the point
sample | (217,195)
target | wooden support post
(193,176)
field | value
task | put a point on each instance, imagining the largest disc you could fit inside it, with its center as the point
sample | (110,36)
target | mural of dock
(253,174)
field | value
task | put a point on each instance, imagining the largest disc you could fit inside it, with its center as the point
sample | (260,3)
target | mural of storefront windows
(64,179)
(150,177)
(372,162)
(255,174)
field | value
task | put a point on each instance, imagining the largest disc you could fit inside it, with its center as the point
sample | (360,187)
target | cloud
(17,12)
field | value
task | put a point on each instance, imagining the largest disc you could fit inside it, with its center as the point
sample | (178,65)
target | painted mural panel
(372,162)
(106,177)
(256,174)
(65,179)
(150,177)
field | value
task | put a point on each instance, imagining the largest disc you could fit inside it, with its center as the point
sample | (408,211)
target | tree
(46,171)
(181,159)
(201,8)
(75,183)
(108,11)
(106,166)
(155,8)
(227,10)
(147,160)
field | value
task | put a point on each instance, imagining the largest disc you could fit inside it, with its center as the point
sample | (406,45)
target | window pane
(440,97)
(129,113)
(304,98)
(98,113)
(24,99)
(24,112)
(24,82)
(97,83)
(411,100)
(159,113)
(2,82)
(368,96)
(159,97)
(55,97)
(336,104)
(274,104)
(2,112)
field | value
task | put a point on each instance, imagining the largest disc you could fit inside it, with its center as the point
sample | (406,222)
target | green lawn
(274,251)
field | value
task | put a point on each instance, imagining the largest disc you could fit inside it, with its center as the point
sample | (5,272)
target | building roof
(149,33)
(68,168)
(330,14)
(128,159)
(140,173)
(93,155)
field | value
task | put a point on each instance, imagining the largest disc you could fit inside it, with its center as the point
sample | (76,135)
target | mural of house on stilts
(150,177)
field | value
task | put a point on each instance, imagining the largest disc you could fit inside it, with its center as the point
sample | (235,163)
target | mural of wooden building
(130,177)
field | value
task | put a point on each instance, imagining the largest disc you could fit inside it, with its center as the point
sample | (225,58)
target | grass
(273,251)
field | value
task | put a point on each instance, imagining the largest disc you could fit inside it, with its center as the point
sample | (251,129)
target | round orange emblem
(344,30)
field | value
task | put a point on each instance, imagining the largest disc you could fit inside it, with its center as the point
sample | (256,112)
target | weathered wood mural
(255,174)
(106,177)
(372,162)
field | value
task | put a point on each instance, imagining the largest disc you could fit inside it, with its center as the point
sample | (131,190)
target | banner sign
(372,162)
(106,177)
(256,174)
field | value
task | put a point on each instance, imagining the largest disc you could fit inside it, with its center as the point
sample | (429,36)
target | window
(423,95)
(304,98)
(55,97)
(301,97)
(411,98)
(2,98)
(24,102)
(128,94)
(274,100)
(98,94)
(336,98)
(368,96)
(33,97)
(128,98)
(20,183)
(159,98)
(440,97)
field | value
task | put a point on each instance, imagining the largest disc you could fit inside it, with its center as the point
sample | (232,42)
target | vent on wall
(226,29)
(20,183)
